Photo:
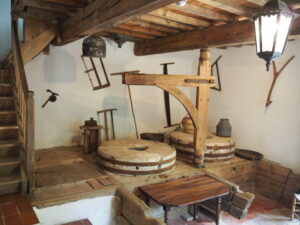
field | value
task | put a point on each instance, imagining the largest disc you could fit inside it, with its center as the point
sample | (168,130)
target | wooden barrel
(218,149)
(136,157)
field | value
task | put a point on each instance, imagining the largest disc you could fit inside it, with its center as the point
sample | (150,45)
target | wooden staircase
(11,176)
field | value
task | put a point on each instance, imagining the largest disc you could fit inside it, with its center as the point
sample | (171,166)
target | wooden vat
(136,157)
(218,149)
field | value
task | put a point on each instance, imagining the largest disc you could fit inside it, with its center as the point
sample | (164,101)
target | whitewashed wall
(273,131)
(100,211)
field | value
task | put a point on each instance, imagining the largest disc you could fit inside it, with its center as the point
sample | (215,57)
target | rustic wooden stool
(296,207)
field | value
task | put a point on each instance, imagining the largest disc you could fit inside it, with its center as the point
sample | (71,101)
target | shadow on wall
(60,67)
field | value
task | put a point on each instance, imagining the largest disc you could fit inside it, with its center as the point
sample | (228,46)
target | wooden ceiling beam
(165,22)
(167,14)
(140,29)
(39,14)
(129,33)
(74,3)
(153,26)
(224,35)
(106,14)
(202,12)
(48,6)
(230,6)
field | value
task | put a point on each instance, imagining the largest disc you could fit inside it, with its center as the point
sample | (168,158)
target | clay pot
(224,128)
(187,124)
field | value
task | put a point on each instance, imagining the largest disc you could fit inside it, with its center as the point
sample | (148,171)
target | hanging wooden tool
(130,98)
(275,77)
(169,83)
(216,65)
(105,126)
(94,47)
(167,97)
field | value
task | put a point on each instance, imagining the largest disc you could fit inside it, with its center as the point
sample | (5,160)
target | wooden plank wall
(276,182)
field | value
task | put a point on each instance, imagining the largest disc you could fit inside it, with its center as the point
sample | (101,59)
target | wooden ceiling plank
(230,6)
(73,3)
(130,33)
(105,17)
(224,35)
(50,6)
(167,14)
(153,26)
(40,14)
(199,11)
(140,29)
(165,22)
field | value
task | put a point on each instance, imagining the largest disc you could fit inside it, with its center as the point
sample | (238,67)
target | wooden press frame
(198,112)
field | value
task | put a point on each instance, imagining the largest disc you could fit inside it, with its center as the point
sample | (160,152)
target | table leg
(147,200)
(218,210)
(166,209)
(195,208)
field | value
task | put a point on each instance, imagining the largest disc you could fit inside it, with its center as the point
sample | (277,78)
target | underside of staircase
(11,179)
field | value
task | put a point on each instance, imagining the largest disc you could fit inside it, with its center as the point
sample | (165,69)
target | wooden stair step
(8,127)
(10,160)
(5,84)
(7,98)
(9,143)
(5,112)
(10,179)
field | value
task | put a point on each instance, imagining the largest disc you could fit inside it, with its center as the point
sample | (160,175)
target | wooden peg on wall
(275,77)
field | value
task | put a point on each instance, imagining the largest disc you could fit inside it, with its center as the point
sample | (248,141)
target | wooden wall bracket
(275,77)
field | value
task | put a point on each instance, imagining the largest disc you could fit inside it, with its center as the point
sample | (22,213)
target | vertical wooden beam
(30,152)
(202,98)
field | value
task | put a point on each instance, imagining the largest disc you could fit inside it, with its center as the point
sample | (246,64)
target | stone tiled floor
(80,222)
(262,212)
(16,210)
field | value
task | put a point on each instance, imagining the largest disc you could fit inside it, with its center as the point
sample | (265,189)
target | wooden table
(186,191)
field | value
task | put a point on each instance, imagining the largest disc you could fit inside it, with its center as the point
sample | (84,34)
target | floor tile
(9,209)
(24,206)
(29,218)
(86,222)
(13,220)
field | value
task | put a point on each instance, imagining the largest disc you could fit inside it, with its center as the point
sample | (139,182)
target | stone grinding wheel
(218,149)
(136,157)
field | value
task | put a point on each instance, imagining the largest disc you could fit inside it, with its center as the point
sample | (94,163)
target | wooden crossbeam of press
(168,80)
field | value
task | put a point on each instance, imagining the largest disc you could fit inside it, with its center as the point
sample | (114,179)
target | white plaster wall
(63,72)
(100,211)
(273,131)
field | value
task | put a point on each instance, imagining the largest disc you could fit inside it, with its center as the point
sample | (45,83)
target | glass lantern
(272,27)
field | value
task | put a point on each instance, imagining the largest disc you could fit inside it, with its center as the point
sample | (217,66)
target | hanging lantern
(272,27)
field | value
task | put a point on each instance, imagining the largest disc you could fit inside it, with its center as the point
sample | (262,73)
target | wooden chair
(296,206)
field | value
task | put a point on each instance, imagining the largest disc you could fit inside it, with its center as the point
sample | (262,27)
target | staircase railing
(24,106)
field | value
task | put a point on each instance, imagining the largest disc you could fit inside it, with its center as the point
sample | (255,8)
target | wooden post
(30,154)
(202,98)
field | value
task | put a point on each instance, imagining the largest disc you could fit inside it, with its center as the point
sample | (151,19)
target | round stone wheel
(218,149)
(136,157)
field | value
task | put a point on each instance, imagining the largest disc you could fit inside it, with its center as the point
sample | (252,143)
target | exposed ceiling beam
(165,22)
(140,29)
(153,26)
(229,34)
(230,6)
(49,6)
(106,14)
(202,12)
(167,14)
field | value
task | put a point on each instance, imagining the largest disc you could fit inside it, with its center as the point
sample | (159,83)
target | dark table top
(185,191)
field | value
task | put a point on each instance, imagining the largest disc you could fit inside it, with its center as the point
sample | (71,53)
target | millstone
(136,157)
(218,149)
